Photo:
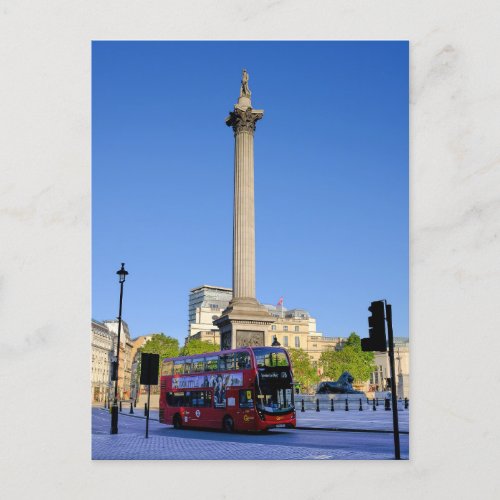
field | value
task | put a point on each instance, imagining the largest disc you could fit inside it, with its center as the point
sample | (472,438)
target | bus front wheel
(228,424)
(177,422)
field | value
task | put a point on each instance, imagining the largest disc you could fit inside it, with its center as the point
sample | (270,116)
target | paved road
(284,444)
(353,419)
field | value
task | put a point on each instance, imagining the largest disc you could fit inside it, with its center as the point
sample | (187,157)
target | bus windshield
(268,357)
(274,380)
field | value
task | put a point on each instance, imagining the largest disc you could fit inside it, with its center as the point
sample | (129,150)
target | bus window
(266,358)
(178,367)
(212,363)
(226,362)
(175,398)
(166,368)
(201,399)
(242,360)
(187,366)
(198,365)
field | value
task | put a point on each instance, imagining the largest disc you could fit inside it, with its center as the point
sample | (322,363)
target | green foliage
(195,346)
(351,358)
(159,343)
(304,373)
(166,347)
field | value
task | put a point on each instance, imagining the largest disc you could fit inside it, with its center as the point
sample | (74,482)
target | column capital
(244,119)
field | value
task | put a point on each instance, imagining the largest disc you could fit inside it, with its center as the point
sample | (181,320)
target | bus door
(245,409)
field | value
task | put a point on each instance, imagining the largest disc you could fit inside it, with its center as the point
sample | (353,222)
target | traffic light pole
(397,452)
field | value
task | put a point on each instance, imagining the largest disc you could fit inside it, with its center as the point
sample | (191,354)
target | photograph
(250,250)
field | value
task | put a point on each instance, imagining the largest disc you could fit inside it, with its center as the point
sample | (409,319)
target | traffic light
(376,322)
(114,371)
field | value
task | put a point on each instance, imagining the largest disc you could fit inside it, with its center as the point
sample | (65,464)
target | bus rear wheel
(177,422)
(228,424)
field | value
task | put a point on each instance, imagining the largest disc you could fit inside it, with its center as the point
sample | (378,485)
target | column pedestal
(243,323)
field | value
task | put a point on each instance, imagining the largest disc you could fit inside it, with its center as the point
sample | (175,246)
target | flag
(280,302)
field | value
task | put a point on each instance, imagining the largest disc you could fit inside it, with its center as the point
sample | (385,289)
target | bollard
(376,399)
(145,409)
(105,403)
(331,405)
(360,405)
(346,405)
(135,402)
(131,408)
(374,406)
(387,404)
(317,404)
(406,403)
(120,405)
(302,409)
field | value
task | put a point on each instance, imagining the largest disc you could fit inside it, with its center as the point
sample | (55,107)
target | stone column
(244,322)
(243,120)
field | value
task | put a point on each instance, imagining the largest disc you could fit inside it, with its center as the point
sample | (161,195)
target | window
(296,328)
(178,367)
(285,340)
(187,366)
(297,341)
(273,327)
(285,328)
(266,357)
(242,360)
(198,365)
(226,362)
(189,398)
(201,399)
(175,398)
(246,399)
(166,368)
(212,363)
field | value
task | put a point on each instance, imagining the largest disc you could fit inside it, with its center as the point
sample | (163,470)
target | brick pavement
(134,447)
(130,444)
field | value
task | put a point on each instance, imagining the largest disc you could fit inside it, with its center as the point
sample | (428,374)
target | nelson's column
(245,321)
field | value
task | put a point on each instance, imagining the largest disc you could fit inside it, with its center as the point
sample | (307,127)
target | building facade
(137,344)
(380,378)
(102,342)
(125,359)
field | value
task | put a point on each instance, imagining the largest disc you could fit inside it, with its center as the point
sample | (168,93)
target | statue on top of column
(244,91)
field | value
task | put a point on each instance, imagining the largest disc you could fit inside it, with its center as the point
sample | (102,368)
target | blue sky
(331,177)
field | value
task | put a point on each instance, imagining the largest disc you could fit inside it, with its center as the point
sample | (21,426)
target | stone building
(102,342)
(380,378)
(125,360)
(135,355)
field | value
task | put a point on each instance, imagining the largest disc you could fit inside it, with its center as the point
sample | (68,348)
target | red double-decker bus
(247,389)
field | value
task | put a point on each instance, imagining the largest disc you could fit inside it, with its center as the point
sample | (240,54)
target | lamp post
(114,409)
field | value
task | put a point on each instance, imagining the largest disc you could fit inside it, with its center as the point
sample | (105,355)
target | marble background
(45,252)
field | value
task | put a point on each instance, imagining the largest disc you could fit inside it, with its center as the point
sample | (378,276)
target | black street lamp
(114,409)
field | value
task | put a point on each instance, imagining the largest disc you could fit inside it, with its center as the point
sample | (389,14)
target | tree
(159,343)
(351,358)
(195,346)
(304,373)
(165,346)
